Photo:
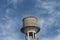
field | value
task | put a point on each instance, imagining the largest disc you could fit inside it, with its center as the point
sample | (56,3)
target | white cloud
(56,14)
(58,30)
(44,25)
(8,29)
(49,21)
(49,6)
(55,38)
(11,38)
(44,30)
(14,2)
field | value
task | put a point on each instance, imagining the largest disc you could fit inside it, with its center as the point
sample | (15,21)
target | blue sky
(13,11)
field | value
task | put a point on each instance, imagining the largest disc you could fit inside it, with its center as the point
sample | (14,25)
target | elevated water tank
(30,23)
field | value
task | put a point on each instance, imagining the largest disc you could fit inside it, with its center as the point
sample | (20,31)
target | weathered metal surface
(30,21)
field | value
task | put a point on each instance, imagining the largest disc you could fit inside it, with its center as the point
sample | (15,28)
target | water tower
(30,27)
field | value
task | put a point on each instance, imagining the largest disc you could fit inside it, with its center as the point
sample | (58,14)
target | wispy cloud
(49,23)
(14,3)
(8,28)
(55,38)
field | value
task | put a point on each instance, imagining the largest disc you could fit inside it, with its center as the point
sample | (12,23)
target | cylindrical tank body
(30,24)
(30,21)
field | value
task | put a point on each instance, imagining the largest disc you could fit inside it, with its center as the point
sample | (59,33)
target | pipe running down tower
(30,27)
